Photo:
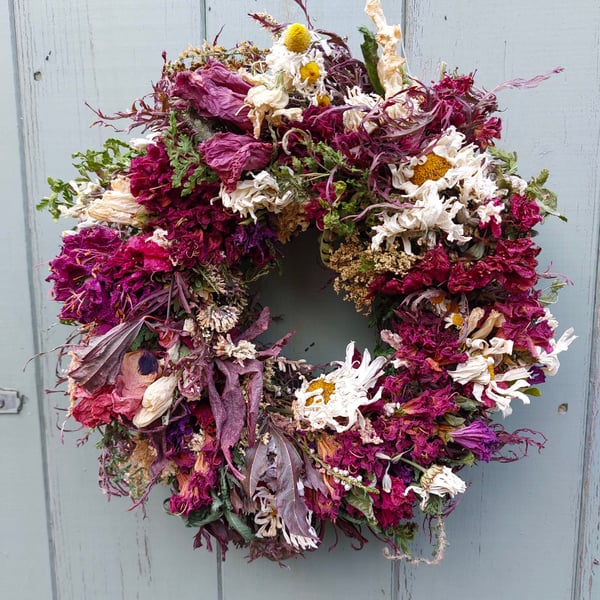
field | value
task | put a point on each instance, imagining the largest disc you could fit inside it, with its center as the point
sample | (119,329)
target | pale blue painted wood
(105,53)
(324,324)
(517,530)
(23,518)
(516,533)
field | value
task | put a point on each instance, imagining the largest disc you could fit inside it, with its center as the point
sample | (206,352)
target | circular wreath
(427,228)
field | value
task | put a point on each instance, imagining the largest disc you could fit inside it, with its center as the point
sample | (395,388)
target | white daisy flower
(480,370)
(297,59)
(437,480)
(399,108)
(430,213)
(549,360)
(259,192)
(264,100)
(353,117)
(334,400)
(449,164)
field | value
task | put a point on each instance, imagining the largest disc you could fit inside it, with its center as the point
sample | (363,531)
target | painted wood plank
(324,324)
(105,53)
(515,534)
(587,581)
(23,511)
(517,527)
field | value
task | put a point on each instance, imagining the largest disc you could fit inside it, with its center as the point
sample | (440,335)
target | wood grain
(24,539)
(524,531)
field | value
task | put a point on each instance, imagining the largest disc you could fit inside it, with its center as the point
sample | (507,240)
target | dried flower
(156,401)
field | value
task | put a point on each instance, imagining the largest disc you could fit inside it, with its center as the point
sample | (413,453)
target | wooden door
(524,531)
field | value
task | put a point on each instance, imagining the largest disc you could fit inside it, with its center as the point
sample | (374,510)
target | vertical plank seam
(220,593)
(589,521)
(203,19)
(395,570)
(19,73)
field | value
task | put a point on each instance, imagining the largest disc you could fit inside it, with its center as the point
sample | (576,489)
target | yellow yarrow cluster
(357,265)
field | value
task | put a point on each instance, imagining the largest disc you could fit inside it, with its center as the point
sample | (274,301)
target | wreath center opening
(301,299)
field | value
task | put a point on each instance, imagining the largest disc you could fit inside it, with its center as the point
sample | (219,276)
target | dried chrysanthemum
(334,400)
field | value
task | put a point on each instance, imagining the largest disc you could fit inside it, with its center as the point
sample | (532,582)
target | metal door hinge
(10,401)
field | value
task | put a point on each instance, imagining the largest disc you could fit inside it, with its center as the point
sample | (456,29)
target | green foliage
(550,295)
(360,499)
(507,160)
(402,535)
(92,165)
(210,514)
(507,166)
(369,49)
(62,194)
(546,199)
(533,391)
(467,404)
(454,420)
(467,459)
(435,506)
(145,338)
(233,519)
(188,167)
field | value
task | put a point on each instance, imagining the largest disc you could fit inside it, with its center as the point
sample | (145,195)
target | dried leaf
(101,360)
(290,504)
(278,465)
(361,500)
(228,409)
(256,466)
(259,326)
(231,408)
(313,478)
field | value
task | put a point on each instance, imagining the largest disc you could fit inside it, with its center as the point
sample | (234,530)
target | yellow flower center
(323,101)
(296,38)
(456,319)
(491,372)
(434,168)
(327,388)
(429,475)
(310,72)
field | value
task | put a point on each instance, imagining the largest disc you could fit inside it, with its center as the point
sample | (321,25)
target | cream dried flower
(334,400)
(157,399)
(439,481)
(118,205)
(262,191)
(243,350)
(218,318)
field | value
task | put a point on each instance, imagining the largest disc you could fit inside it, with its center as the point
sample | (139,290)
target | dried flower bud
(157,399)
